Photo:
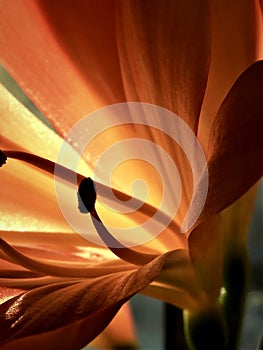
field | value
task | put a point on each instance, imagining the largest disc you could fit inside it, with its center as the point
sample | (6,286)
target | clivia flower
(72,59)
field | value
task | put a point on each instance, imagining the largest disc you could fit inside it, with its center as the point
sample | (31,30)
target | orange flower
(74,58)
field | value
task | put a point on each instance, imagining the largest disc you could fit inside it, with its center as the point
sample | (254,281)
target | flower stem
(174,328)
(235,278)
(205,330)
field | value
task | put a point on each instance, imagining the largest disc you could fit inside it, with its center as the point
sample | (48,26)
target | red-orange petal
(206,252)
(63,55)
(237,42)
(235,149)
(119,333)
(164,50)
(49,308)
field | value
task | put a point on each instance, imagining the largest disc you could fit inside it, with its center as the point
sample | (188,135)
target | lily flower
(62,290)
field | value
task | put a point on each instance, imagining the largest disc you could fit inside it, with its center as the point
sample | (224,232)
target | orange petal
(178,284)
(71,60)
(55,268)
(235,150)
(24,131)
(28,199)
(58,246)
(164,50)
(120,333)
(206,252)
(8,293)
(236,221)
(48,308)
(237,42)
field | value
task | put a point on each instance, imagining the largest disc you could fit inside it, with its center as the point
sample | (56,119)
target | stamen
(87,199)
(42,163)
(56,270)
(35,282)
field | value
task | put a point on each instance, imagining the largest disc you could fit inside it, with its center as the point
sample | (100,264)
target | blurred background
(149,313)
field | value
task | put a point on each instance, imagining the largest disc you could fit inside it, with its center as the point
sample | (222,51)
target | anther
(86,195)
(3,158)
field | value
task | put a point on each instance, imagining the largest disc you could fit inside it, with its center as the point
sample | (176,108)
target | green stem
(174,328)
(205,330)
(235,278)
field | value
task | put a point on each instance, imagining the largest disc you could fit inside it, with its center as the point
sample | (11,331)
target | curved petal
(55,268)
(7,293)
(206,252)
(237,42)
(22,129)
(177,283)
(72,336)
(71,59)
(120,333)
(49,308)
(57,246)
(164,50)
(28,200)
(27,206)
(235,149)
(236,221)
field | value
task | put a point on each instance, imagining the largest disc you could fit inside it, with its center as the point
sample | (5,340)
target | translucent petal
(236,43)
(164,50)
(72,305)
(71,60)
(235,146)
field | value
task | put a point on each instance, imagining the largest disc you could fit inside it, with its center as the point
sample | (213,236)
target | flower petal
(178,275)
(8,293)
(49,308)
(235,149)
(23,200)
(164,50)
(120,333)
(27,206)
(71,60)
(206,252)
(22,128)
(57,269)
(57,246)
(236,221)
(236,43)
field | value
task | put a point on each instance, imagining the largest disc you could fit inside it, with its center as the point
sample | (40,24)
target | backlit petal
(237,42)
(68,66)
(8,293)
(164,50)
(67,303)
(236,220)
(235,150)
(28,200)
(120,333)
(55,268)
(206,252)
